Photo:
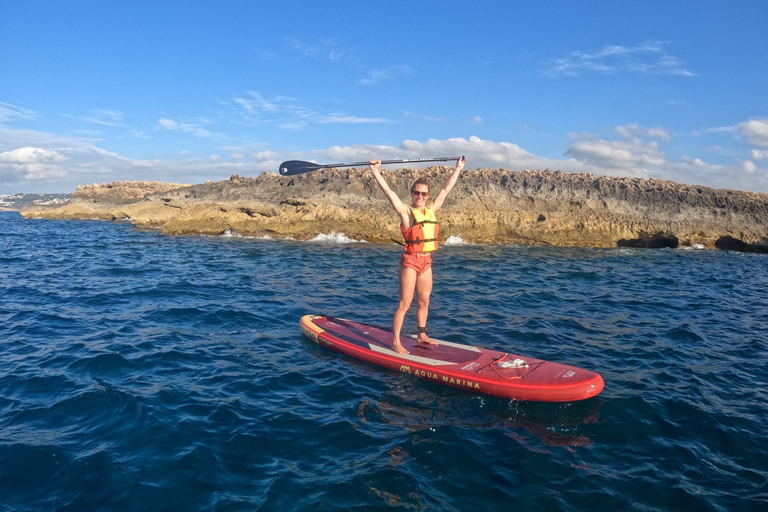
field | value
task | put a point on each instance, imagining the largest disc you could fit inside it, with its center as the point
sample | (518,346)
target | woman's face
(420,193)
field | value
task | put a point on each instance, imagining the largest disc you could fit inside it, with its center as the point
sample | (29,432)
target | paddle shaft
(388,162)
(293,167)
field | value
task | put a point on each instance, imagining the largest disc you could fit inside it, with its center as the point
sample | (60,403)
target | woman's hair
(420,181)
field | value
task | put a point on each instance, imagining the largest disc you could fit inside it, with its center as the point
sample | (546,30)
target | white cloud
(289,113)
(386,74)
(255,102)
(168,124)
(759,155)
(645,58)
(9,112)
(616,154)
(343,119)
(105,117)
(696,162)
(756,132)
(194,129)
(422,117)
(477,120)
(630,154)
(324,49)
(266,155)
(749,166)
(30,163)
(636,130)
(29,155)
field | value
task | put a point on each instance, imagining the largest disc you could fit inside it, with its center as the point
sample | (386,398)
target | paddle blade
(292,167)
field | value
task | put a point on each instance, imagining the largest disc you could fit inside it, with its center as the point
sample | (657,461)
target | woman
(419,228)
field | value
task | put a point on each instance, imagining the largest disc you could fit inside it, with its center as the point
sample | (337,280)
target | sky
(185,92)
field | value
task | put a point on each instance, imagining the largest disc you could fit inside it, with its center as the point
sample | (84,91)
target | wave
(335,238)
(455,240)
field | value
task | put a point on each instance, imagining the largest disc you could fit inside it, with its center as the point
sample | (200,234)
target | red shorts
(420,262)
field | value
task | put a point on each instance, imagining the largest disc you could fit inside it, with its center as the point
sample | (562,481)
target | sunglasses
(420,193)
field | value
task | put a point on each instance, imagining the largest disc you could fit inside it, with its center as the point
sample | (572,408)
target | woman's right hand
(374,164)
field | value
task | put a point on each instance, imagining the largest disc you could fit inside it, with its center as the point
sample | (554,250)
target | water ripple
(147,372)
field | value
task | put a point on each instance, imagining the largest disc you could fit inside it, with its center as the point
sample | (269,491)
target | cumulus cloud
(30,163)
(633,153)
(756,132)
(696,162)
(649,57)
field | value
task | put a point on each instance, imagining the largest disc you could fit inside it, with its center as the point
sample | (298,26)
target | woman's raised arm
(438,202)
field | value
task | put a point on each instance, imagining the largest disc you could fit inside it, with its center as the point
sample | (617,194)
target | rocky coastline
(487,206)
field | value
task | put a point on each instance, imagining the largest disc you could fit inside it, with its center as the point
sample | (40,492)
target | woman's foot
(399,348)
(423,338)
(426,340)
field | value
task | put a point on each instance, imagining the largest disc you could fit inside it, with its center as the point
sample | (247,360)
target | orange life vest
(422,235)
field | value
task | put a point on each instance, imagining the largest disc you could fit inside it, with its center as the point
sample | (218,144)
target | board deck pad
(454,364)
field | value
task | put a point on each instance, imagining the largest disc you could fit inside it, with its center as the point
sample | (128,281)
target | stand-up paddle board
(453,364)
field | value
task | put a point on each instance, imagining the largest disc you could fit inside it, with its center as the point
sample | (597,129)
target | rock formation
(486,206)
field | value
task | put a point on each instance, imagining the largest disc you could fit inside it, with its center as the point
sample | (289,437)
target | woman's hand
(374,164)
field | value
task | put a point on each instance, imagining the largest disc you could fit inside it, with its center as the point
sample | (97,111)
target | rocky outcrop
(123,190)
(657,241)
(728,243)
(486,206)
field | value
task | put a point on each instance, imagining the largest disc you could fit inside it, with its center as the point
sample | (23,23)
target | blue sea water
(146,372)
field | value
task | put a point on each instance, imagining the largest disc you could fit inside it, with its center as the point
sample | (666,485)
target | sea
(144,372)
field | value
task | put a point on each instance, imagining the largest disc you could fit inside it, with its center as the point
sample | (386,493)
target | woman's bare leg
(423,291)
(407,286)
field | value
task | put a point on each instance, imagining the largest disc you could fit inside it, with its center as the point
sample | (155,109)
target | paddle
(292,167)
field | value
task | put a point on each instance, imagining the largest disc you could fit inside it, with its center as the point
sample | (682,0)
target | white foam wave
(228,233)
(455,240)
(335,238)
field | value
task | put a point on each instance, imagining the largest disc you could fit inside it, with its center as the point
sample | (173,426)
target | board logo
(569,374)
(405,368)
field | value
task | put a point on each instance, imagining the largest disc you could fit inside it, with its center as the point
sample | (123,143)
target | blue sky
(95,91)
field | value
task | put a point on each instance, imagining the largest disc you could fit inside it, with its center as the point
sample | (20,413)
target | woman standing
(419,227)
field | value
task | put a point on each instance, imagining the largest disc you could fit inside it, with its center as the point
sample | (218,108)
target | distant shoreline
(17,202)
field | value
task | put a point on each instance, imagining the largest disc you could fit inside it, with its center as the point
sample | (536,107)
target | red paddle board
(453,364)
